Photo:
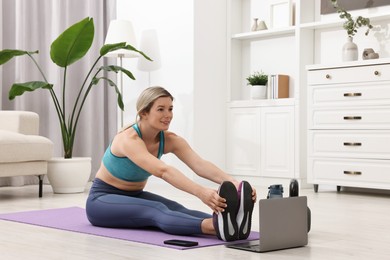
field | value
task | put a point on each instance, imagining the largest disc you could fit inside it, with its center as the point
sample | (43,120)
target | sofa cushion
(16,147)
(23,168)
(24,122)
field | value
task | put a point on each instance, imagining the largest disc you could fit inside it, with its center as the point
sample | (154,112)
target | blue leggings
(108,206)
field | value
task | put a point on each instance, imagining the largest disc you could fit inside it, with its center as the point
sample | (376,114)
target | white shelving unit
(264,33)
(310,39)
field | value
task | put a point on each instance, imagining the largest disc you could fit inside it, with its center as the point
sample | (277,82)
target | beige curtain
(33,25)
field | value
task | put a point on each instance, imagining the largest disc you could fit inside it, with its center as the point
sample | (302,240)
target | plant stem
(63,93)
(52,93)
(60,113)
(79,95)
(82,104)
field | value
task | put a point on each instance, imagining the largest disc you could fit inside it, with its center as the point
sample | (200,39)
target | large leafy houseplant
(69,47)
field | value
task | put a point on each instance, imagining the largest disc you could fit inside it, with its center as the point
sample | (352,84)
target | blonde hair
(146,100)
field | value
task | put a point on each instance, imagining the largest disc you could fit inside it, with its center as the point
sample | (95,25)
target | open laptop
(283,224)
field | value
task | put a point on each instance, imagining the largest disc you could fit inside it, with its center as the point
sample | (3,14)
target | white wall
(210,80)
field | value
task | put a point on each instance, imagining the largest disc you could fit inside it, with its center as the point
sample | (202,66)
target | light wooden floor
(346,225)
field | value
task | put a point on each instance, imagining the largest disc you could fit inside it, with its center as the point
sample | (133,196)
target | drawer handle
(352,118)
(327,76)
(352,94)
(352,173)
(376,73)
(352,144)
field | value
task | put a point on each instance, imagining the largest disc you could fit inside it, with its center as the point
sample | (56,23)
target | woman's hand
(211,198)
(254,194)
(218,204)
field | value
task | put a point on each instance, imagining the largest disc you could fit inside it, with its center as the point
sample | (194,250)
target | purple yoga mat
(75,219)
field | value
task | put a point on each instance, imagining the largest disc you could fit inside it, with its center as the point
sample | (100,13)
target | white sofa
(22,150)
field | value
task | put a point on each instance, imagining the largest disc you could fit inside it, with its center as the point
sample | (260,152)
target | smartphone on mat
(178,242)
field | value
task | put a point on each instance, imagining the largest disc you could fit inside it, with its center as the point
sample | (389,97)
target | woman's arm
(201,167)
(134,148)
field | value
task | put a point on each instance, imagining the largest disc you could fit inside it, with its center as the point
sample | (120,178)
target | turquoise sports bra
(125,169)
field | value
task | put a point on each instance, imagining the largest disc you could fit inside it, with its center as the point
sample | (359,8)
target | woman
(117,197)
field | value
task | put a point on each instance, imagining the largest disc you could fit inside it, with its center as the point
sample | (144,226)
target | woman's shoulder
(125,140)
(125,136)
(128,132)
(174,141)
(168,135)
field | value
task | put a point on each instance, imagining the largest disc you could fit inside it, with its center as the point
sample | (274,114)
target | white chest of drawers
(349,125)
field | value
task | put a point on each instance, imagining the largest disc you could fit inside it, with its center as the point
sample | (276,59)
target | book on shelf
(278,86)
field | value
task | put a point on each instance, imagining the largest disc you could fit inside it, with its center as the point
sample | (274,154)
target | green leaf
(111,47)
(95,81)
(131,48)
(18,89)
(73,43)
(120,99)
(116,69)
(121,45)
(6,55)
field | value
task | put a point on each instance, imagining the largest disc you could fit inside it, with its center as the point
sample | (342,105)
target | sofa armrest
(24,122)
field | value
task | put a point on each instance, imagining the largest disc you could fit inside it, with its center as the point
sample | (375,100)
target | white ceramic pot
(258,92)
(69,175)
(350,50)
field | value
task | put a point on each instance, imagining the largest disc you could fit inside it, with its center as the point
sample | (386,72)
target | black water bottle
(294,188)
(294,192)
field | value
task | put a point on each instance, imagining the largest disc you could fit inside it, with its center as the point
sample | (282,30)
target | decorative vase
(350,50)
(258,92)
(254,25)
(69,175)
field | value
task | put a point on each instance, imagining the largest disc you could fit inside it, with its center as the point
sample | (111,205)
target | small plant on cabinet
(257,78)
(258,81)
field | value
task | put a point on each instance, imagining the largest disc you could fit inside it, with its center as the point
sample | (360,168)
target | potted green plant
(351,25)
(258,82)
(69,47)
